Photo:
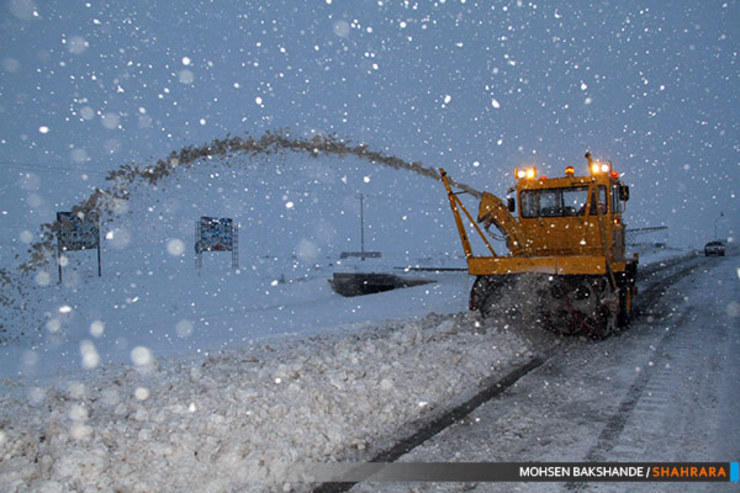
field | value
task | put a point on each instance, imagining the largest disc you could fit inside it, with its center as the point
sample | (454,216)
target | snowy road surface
(238,418)
(665,390)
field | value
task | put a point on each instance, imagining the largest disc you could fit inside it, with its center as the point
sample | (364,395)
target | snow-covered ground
(295,218)
(157,376)
(341,383)
(235,417)
(663,391)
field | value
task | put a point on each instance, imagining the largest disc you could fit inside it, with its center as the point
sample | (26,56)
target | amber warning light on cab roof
(594,167)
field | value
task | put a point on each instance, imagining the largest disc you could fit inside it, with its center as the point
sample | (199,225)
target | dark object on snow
(357,284)
(362,255)
(714,248)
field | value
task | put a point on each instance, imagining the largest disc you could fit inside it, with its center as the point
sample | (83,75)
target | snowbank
(237,418)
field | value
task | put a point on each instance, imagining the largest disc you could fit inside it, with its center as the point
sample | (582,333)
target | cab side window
(617,205)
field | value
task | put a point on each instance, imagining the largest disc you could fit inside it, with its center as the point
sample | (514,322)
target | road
(664,390)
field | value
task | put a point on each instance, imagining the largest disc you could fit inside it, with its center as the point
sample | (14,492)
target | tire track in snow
(615,425)
(442,422)
(655,280)
(648,393)
(660,277)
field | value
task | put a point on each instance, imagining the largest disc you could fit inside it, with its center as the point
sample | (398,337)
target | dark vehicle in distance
(714,248)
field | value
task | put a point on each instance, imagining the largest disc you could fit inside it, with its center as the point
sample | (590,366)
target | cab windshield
(559,202)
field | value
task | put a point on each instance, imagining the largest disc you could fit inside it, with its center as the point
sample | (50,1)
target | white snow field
(236,418)
(665,390)
(160,377)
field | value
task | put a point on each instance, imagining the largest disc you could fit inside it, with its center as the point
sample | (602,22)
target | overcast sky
(477,87)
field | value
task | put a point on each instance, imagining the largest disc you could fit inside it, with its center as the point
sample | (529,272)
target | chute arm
(493,211)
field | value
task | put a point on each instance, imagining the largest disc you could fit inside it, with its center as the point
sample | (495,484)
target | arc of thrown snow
(269,143)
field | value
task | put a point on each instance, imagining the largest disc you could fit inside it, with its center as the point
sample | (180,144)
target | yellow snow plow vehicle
(566,245)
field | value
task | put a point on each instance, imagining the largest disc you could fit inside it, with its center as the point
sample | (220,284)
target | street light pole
(721,215)
(362,227)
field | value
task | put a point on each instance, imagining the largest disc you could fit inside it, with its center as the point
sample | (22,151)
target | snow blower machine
(566,262)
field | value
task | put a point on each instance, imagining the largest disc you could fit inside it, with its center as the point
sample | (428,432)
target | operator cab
(569,196)
(563,215)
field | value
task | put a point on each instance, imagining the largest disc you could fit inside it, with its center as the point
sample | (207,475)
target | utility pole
(362,227)
(362,253)
(721,215)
